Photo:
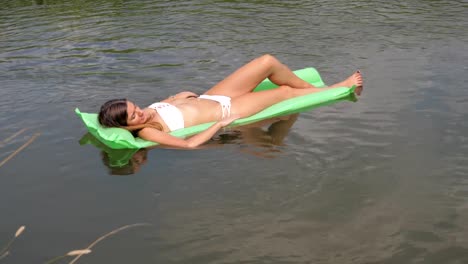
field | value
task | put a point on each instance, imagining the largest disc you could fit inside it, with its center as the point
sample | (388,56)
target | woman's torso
(194,110)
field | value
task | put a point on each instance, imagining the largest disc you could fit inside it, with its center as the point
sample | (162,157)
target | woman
(230,99)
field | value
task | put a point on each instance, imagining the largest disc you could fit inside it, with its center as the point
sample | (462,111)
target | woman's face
(135,116)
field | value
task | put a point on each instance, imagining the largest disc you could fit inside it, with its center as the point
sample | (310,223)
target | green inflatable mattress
(119,138)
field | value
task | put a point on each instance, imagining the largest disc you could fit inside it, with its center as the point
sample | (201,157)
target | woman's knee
(268,60)
(286,91)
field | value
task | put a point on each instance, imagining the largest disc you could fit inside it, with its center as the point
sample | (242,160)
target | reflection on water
(119,161)
(256,139)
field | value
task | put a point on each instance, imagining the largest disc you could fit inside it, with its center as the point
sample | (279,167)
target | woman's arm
(166,139)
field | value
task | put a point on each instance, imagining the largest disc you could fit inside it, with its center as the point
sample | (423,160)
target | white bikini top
(170,114)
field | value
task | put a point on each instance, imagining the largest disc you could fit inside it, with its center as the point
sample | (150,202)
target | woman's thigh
(244,79)
(252,103)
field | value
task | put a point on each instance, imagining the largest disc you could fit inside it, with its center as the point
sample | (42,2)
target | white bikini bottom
(224,101)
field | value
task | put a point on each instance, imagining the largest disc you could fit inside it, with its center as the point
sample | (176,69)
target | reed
(70,254)
(113,232)
(80,252)
(12,137)
(31,140)
(5,251)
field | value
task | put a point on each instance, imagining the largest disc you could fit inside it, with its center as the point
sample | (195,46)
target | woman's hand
(228,120)
(164,138)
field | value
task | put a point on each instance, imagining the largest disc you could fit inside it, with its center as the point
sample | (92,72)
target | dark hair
(113,113)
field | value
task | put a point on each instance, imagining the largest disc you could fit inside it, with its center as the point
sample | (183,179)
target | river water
(380,180)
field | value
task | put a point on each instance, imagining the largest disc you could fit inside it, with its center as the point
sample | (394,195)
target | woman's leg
(252,103)
(246,78)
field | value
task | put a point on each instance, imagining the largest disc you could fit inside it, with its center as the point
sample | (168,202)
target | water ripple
(379,180)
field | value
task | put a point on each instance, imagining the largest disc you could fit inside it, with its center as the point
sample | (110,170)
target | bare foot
(358,78)
(354,79)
